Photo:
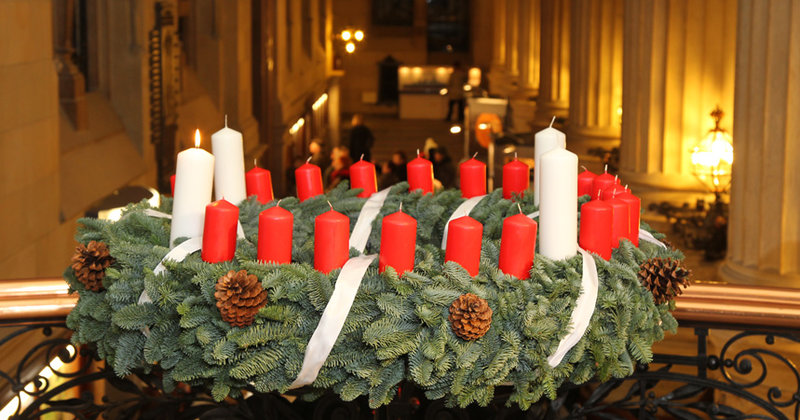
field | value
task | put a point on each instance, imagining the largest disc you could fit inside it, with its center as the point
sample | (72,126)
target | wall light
(712,157)
(455,129)
(359,35)
(350,47)
(319,102)
(297,126)
(346,35)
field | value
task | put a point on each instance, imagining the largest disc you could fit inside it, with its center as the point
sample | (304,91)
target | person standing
(361,139)
(455,92)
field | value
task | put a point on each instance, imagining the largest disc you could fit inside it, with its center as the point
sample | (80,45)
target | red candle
(275,226)
(517,246)
(634,210)
(464,243)
(611,191)
(620,220)
(585,181)
(420,174)
(172,184)
(219,232)
(516,178)
(308,178)
(258,182)
(473,178)
(596,221)
(331,240)
(398,242)
(602,182)
(362,175)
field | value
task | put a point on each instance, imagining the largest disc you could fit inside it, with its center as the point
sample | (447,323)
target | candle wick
(417,152)
(226,120)
(552,121)
(598,194)
(519,207)
(255,162)
(309,159)
(615,178)
(329,203)
(362,156)
(475,155)
(605,169)
(278,204)
(401,207)
(584,168)
(515,155)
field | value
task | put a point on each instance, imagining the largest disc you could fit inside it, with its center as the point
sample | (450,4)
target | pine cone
(90,263)
(664,278)
(470,317)
(239,297)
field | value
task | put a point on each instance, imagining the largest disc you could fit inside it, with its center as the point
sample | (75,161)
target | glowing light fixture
(346,35)
(297,126)
(712,157)
(455,129)
(443,91)
(319,102)
(25,397)
(350,47)
(359,35)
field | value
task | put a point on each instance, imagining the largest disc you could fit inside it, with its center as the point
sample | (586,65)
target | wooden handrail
(702,302)
(35,298)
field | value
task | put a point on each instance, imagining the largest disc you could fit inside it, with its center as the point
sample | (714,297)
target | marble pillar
(512,37)
(498,75)
(553,99)
(529,33)
(678,64)
(595,91)
(764,227)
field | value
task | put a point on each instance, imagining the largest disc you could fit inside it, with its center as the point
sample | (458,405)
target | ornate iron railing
(750,375)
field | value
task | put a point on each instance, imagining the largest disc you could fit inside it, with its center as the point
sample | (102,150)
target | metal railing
(750,373)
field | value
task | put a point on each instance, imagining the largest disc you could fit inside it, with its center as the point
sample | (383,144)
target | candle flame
(197,138)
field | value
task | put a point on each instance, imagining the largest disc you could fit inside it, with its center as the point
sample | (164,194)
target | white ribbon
(363,227)
(584,308)
(332,320)
(648,237)
(534,214)
(461,211)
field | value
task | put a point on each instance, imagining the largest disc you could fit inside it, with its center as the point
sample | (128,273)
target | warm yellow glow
(350,47)
(416,70)
(404,70)
(359,35)
(297,126)
(346,35)
(22,399)
(110,214)
(483,126)
(455,129)
(474,77)
(712,157)
(443,91)
(467,87)
(319,102)
(197,138)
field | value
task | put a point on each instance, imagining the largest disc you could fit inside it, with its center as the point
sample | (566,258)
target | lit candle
(543,142)
(259,184)
(194,179)
(602,182)
(620,222)
(464,243)
(595,234)
(516,178)
(634,213)
(275,226)
(331,240)
(585,181)
(227,146)
(398,242)
(219,232)
(558,210)
(420,174)
(362,175)
(308,178)
(517,246)
(472,177)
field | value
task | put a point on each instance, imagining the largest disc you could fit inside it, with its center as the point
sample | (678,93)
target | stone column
(554,69)
(764,227)
(512,37)
(529,46)
(595,91)
(498,83)
(677,66)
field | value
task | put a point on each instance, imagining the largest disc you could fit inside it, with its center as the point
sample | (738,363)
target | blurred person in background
(443,168)
(361,139)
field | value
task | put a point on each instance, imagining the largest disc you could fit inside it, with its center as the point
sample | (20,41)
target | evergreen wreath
(398,327)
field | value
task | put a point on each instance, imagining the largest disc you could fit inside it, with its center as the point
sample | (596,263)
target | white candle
(194,177)
(228,165)
(558,213)
(545,141)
